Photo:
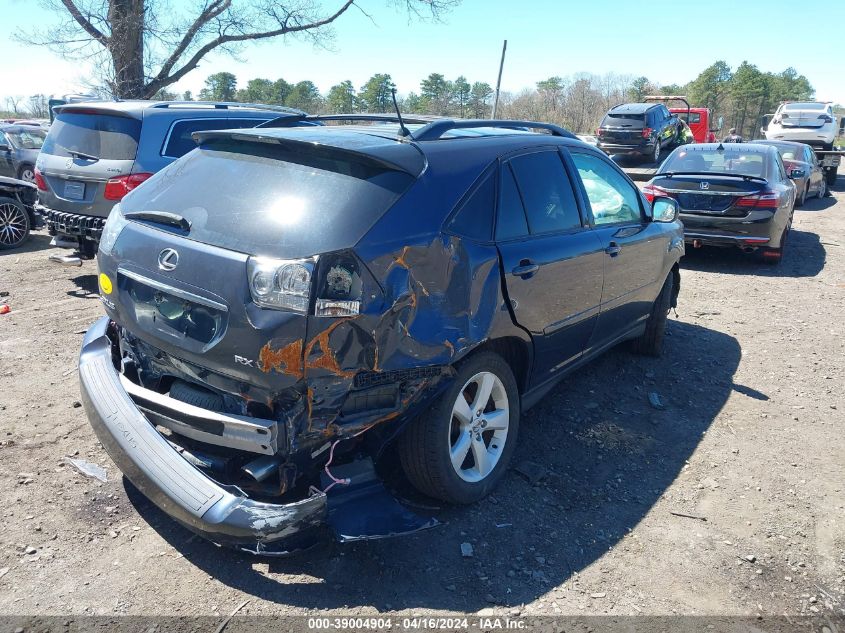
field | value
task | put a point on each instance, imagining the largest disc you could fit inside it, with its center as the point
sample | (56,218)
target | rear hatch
(804,118)
(244,197)
(622,128)
(85,148)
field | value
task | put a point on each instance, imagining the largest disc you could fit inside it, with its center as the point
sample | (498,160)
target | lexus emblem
(704,186)
(168,259)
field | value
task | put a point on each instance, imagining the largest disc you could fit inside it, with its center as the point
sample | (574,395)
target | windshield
(805,106)
(727,161)
(270,200)
(27,139)
(93,135)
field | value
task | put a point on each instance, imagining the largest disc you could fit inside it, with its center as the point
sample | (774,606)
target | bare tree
(13,104)
(143,46)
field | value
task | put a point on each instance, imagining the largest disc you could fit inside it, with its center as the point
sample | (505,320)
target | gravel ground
(728,501)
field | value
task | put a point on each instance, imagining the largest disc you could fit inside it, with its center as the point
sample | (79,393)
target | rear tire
(14,224)
(774,256)
(655,153)
(438,449)
(830,177)
(822,190)
(26,173)
(650,342)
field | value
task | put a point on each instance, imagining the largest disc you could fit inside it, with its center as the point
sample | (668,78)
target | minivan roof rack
(225,105)
(436,129)
(286,121)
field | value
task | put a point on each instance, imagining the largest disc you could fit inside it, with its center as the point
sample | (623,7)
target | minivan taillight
(766,199)
(646,132)
(39,180)
(116,188)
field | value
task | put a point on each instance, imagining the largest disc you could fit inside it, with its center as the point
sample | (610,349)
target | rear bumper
(72,224)
(222,514)
(641,149)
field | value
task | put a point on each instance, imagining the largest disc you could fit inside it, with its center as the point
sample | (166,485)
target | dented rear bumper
(222,514)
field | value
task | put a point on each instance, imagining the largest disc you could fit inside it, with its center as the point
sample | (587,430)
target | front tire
(800,201)
(822,190)
(14,224)
(460,449)
(650,342)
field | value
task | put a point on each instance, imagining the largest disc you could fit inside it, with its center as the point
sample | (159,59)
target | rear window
(715,161)
(103,136)
(28,139)
(266,199)
(179,141)
(615,117)
(805,106)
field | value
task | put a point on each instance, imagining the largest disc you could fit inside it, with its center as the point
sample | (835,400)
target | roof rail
(436,129)
(376,118)
(226,105)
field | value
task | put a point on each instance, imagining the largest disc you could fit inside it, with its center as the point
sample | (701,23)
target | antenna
(405,131)
(499,81)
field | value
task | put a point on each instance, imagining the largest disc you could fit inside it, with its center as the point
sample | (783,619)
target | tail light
(653,191)
(39,180)
(116,188)
(646,132)
(766,199)
(599,132)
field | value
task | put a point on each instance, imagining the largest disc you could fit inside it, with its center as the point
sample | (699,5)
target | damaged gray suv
(290,306)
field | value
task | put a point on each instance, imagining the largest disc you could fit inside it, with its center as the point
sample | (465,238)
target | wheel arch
(515,351)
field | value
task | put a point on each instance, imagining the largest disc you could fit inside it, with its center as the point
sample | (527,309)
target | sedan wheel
(822,189)
(14,224)
(479,427)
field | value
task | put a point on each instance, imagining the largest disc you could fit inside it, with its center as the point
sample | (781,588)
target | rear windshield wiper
(77,154)
(160,217)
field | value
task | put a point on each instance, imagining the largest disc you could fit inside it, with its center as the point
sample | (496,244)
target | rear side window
(179,141)
(474,218)
(271,199)
(103,136)
(546,192)
(511,222)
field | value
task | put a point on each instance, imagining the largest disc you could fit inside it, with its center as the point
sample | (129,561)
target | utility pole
(499,81)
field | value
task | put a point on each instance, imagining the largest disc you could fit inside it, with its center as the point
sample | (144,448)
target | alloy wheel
(13,224)
(28,174)
(479,427)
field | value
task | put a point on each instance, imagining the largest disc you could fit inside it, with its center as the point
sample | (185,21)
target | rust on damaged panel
(285,360)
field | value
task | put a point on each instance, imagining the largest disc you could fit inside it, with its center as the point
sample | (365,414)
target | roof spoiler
(396,157)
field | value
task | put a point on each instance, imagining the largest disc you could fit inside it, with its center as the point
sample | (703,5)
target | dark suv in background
(97,152)
(638,129)
(286,306)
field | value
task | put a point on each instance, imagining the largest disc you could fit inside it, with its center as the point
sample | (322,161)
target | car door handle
(613,249)
(524,269)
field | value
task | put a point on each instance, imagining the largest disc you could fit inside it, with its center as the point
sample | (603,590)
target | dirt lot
(751,441)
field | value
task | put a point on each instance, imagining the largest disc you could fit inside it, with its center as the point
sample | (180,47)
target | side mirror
(4,147)
(797,173)
(664,209)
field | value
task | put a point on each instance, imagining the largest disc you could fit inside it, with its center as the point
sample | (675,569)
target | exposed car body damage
(282,414)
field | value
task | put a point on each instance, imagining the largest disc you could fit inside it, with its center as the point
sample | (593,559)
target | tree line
(578,102)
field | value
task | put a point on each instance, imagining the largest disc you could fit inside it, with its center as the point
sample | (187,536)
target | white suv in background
(807,122)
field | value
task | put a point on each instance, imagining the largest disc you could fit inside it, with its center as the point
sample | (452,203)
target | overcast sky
(667,41)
